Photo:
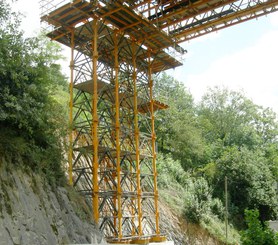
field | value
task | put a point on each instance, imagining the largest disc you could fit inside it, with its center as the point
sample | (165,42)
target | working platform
(129,26)
(126,98)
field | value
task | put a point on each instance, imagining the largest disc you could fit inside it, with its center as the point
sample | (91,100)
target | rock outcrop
(31,212)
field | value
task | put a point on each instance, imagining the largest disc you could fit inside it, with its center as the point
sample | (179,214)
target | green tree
(250,182)
(242,142)
(227,119)
(31,119)
(256,233)
(198,200)
(177,127)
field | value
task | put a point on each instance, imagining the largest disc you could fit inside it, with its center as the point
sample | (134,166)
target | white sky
(244,57)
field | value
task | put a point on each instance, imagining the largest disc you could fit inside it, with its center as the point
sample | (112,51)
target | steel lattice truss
(116,49)
(185,20)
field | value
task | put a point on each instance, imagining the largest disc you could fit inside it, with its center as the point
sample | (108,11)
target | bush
(197,203)
(217,208)
(250,183)
(171,181)
(257,233)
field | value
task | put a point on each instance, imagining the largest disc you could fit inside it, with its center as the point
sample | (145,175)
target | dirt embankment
(181,232)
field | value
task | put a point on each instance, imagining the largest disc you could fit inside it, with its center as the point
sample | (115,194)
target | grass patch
(81,208)
(217,229)
(54,229)
(173,198)
(24,153)
(7,200)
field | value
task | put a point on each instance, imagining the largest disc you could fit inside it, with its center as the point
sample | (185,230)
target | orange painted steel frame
(116,49)
(95,165)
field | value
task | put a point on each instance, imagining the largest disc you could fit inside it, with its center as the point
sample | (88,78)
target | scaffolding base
(119,242)
(141,241)
(147,241)
(158,239)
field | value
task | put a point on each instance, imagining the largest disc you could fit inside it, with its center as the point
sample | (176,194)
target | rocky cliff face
(31,212)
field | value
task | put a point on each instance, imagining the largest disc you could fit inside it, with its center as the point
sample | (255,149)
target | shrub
(257,233)
(197,202)
(217,208)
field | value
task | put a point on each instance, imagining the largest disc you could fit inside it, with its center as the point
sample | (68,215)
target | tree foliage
(177,127)
(232,119)
(250,181)
(242,138)
(257,233)
(29,112)
(226,134)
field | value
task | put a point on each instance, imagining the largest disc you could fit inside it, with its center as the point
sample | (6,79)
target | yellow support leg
(158,239)
(141,241)
(70,154)
(117,129)
(95,126)
(138,182)
(153,146)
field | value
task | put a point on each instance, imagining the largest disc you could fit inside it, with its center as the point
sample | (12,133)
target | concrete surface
(273,225)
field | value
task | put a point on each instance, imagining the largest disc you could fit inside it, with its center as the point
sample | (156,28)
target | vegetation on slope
(257,233)
(31,119)
(226,134)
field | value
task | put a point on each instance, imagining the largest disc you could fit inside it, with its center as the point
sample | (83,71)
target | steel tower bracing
(112,157)
(116,49)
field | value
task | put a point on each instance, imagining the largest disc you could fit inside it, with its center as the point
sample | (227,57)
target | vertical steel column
(95,165)
(117,129)
(132,211)
(153,146)
(136,134)
(70,154)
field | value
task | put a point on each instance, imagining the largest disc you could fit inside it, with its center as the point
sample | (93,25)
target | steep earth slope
(177,229)
(31,212)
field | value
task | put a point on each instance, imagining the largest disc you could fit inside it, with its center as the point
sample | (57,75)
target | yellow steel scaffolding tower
(116,48)
(112,157)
